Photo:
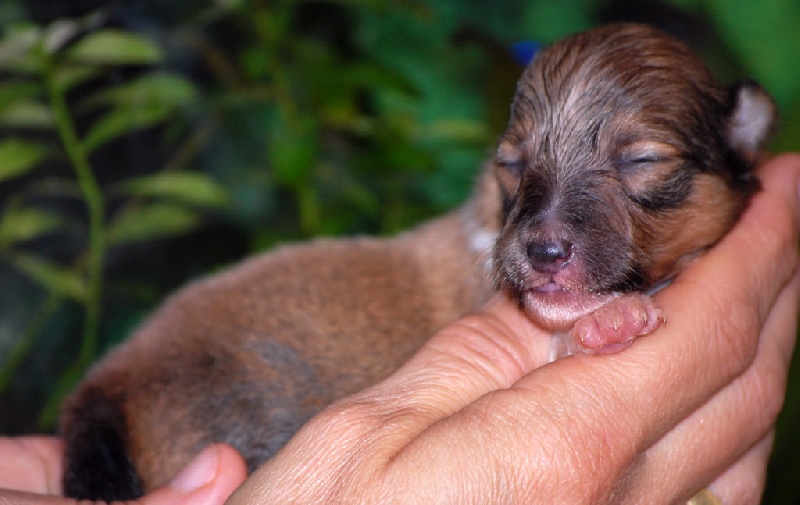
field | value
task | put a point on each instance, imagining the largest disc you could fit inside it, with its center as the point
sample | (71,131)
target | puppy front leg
(612,327)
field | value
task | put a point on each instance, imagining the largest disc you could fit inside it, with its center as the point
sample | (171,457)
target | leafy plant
(44,65)
(317,137)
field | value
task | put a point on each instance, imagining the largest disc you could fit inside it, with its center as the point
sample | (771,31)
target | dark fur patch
(97,465)
(667,194)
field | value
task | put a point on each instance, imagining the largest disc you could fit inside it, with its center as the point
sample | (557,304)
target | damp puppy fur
(623,160)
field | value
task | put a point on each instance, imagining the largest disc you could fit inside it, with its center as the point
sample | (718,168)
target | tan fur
(681,233)
(620,164)
(350,310)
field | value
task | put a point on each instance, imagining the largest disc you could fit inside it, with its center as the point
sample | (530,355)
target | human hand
(474,418)
(30,474)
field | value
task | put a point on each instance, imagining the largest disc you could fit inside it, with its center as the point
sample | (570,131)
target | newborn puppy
(623,160)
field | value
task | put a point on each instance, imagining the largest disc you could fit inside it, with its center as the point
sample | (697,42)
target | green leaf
(292,158)
(17,49)
(122,120)
(141,103)
(293,150)
(187,187)
(27,114)
(21,106)
(19,225)
(152,221)
(115,47)
(14,91)
(18,156)
(160,88)
(54,278)
(68,76)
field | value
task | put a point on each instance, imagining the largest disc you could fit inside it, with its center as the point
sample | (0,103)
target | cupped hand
(475,418)
(30,474)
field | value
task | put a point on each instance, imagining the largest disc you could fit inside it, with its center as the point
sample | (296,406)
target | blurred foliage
(145,143)
(44,65)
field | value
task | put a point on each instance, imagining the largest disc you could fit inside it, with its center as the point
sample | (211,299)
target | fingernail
(198,473)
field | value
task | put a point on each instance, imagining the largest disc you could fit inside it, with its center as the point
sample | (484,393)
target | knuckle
(349,419)
(767,390)
(488,348)
(735,333)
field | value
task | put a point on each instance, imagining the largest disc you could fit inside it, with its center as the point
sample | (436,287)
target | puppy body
(247,356)
(623,160)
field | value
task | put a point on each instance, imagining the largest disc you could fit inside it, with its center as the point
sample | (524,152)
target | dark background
(223,128)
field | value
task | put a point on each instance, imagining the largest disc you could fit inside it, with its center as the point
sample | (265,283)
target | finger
(740,278)
(633,398)
(208,480)
(475,355)
(471,357)
(735,420)
(492,350)
(464,361)
(31,464)
(743,483)
(636,397)
(769,224)
(26,498)
(715,311)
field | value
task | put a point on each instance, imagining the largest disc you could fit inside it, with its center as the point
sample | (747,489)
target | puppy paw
(613,326)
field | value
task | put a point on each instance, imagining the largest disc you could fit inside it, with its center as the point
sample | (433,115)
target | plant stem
(93,197)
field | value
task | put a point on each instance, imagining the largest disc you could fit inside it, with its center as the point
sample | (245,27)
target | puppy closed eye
(645,153)
(510,163)
(515,167)
(510,158)
(639,161)
(644,163)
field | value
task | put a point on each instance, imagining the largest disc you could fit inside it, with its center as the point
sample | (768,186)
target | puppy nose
(549,256)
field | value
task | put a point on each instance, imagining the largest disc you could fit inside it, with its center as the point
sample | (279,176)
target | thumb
(209,479)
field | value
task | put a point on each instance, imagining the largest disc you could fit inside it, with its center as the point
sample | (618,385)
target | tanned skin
(623,160)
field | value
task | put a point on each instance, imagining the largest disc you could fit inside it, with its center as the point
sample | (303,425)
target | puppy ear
(753,119)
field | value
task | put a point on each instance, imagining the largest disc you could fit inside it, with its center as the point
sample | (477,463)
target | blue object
(524,52)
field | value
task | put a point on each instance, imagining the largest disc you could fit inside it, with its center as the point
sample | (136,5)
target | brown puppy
(623,160)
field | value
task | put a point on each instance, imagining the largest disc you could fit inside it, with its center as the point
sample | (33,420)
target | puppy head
(623,159)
